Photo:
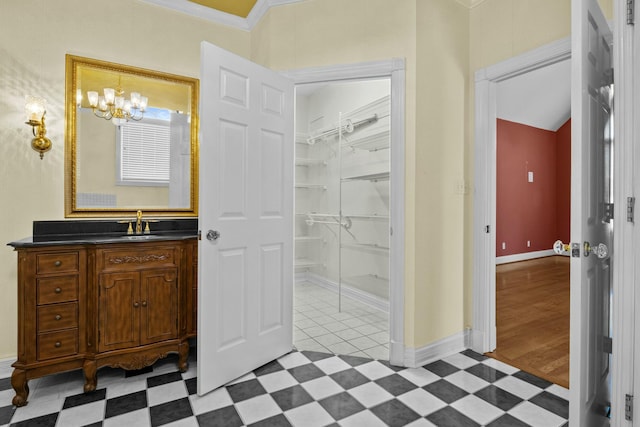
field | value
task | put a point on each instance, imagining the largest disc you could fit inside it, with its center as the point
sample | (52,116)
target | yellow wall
(443,66)
(442,41)
(35,35)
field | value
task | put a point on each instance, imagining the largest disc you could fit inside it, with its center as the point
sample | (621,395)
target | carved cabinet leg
(183,355)
(90,375)
(19,384)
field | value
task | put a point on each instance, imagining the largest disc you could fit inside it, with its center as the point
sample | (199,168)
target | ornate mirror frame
(75,65)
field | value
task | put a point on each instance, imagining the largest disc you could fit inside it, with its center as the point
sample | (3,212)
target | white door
(591,225)
(245,258)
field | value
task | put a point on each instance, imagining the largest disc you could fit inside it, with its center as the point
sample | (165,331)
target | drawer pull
(144,303)
(57,263)
(58,344)
(58,317)
(58,290)
(136,304)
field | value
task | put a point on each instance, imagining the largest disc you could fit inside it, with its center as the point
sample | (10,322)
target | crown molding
(212,15)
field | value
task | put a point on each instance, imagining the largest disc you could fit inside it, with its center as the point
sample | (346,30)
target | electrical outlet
(528,243)
(504,245)
(530,176)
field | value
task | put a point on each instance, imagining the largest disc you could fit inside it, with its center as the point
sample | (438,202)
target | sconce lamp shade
(34,108)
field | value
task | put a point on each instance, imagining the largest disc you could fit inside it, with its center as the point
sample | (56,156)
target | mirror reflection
(131,140)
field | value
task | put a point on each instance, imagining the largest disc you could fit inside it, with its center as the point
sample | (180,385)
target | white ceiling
(540,98)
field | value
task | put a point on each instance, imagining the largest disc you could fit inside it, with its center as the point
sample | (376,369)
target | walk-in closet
(342,217)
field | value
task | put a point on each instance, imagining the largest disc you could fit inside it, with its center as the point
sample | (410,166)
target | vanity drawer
(135,259)
(57,316)
(61,262)
(57,344)
(57,289)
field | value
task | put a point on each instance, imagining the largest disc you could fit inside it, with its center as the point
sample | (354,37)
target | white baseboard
(5,367)
(525,256)
(416,357)
(347,291)
(478,341)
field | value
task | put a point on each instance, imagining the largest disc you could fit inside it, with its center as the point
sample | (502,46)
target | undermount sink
(141,237)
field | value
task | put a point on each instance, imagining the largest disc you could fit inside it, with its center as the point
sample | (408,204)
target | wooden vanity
(85,303)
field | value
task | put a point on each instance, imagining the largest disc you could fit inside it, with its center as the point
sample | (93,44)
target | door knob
(213,235)
(560,248)
(600,250)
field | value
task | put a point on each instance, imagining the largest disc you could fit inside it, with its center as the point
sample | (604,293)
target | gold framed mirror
(122,155)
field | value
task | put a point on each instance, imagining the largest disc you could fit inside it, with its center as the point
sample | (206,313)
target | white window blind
(144,153)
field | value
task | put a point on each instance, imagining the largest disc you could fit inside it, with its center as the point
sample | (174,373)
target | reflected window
(143,152)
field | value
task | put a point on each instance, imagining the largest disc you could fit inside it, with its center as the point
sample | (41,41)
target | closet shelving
(311,186)
(364,184)
(349,162)
(374,177)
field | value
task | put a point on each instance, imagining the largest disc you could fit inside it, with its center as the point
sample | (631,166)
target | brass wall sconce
(35,111)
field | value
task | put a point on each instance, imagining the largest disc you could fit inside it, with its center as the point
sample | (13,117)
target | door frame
(625,324)
(394,69)
(483,335)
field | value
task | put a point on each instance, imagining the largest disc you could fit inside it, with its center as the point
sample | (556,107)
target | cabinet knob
(136,304)
(58,290)
(58,344)
(57,263)
(144,303)
(58,317)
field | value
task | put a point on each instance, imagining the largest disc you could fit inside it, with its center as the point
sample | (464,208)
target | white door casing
(591,191)
(245,277)
(483,335)
(395,70)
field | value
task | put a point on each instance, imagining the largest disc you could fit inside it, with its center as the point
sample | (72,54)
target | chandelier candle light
(113,105)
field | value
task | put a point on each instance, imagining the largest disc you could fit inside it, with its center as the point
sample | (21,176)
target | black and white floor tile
(302,388)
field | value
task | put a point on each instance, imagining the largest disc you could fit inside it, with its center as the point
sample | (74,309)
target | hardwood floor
(532,316)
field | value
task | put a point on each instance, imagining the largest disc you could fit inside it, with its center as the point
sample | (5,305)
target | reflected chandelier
(113,105)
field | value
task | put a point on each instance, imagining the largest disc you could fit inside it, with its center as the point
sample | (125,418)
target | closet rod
(348,128)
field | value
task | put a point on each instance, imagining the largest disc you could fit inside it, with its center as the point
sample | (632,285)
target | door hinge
(608,77)
(628,407)
(630,12)
(607,345)
(631,202)
(608,212)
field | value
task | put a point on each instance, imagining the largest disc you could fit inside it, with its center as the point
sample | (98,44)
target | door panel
(232,318)
(158,305)
(118,318)
(591,194)
(271,288)
(246,195)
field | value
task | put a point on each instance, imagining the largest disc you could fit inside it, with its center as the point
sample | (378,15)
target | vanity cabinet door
(137,308)
(118,310)
(158,305)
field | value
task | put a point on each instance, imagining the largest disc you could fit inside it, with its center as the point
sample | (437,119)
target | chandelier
(115,107)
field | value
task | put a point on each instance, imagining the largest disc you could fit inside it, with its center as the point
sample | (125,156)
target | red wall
(529,211)
(563,187)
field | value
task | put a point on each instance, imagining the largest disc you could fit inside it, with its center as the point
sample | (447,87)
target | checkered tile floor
(301,389)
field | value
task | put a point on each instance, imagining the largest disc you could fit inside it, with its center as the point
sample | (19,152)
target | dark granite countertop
(83,232)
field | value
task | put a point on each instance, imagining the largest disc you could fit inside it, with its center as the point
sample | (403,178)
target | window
(143,153)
